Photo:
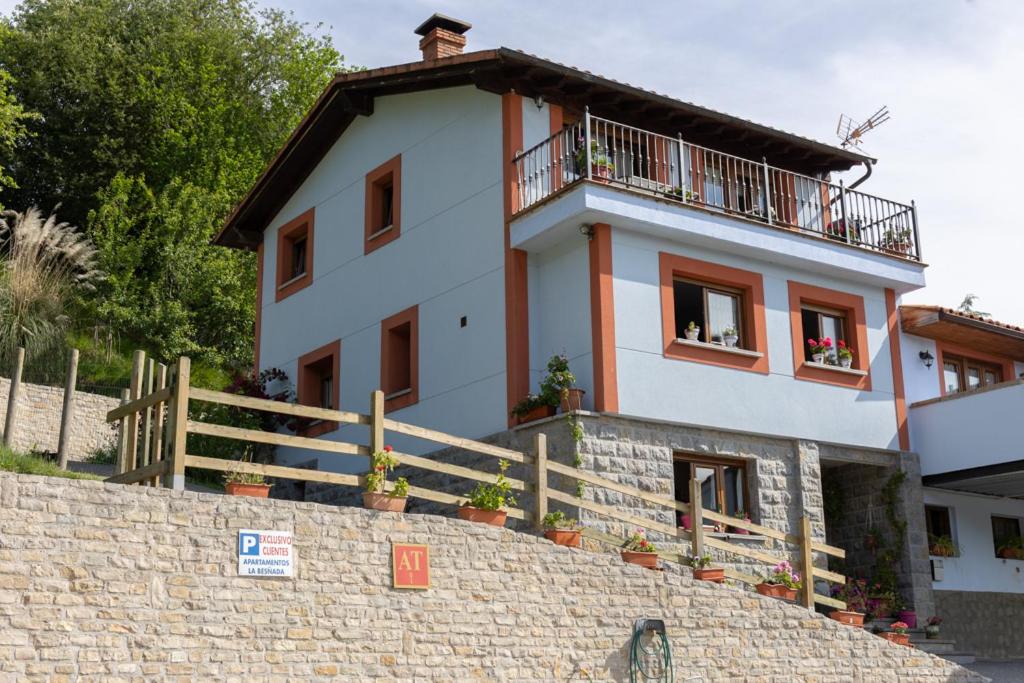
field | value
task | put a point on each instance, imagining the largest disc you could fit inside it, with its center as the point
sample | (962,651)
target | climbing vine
(889,551)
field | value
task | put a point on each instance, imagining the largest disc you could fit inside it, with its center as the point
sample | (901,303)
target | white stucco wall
(977,568)
(449,260)
(651,385)
(920,382)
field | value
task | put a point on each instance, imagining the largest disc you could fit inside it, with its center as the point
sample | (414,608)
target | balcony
(972,441)
(672,170)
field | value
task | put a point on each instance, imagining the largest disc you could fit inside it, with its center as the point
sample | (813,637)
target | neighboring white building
(439,229)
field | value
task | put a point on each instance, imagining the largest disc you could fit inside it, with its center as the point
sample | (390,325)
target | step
(960,658)
(935,647)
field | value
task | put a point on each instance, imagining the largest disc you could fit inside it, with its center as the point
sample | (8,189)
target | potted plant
(897,240)
(819,349)
(931,628)
(908,617)
(897,633)
(375,497)
(246,484)
(782,582)
(533,407)
(845,354)
(703,571)
(692,331)
(561,530)
(638,550)
(942,546)
(1012,548)
(730,336)
(487,501)
(559,385)
(601,167)
(740,514)
(854,594)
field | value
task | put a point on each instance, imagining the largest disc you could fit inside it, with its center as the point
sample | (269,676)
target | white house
(439,229)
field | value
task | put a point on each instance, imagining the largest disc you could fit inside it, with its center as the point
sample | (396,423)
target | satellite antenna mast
(851,132)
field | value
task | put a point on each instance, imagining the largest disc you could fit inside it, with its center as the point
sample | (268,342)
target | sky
(950,72)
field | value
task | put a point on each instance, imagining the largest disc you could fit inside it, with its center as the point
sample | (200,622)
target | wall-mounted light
(926,357)
(587,231)
(539,101)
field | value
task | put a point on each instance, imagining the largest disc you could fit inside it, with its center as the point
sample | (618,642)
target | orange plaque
(410,566)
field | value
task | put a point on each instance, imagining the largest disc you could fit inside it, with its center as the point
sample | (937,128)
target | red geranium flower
(842,344)
(388,449)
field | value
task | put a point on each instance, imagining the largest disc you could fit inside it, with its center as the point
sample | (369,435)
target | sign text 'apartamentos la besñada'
(265,553)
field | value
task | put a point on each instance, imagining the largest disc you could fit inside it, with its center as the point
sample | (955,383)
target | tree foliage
(156,117)
(13,118)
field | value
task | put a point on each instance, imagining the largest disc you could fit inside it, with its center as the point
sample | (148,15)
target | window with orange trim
(713,314)
(294,255)
(383,222)
(318,385)
(818,313)
(399,359)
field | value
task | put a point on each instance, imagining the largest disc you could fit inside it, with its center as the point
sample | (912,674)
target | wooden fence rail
(154,426)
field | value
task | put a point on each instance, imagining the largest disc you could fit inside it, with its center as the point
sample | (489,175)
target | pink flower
(811,342)
(827,342)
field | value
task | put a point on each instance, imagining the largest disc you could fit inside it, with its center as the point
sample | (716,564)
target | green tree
(13,118)
(156,117)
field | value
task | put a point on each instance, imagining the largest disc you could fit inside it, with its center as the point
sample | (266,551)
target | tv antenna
(851,132)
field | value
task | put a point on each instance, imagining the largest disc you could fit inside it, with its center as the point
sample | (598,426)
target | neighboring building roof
(499,71)
(964,329)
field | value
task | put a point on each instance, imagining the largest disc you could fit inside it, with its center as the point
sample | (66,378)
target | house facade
(440,229)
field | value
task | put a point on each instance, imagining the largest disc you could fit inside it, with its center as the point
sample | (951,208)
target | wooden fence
(154,425)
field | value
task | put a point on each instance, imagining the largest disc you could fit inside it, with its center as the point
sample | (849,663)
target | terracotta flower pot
(716,575)
(898,638)
(848,618)
(1011,554)
(538,413)
(383,502)
(572,399)
(492,517)
(600,172)
(649,560)
(235,488)
(776,590)
(570,538)
(737,530)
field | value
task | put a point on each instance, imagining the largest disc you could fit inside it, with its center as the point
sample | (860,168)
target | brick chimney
(442,37)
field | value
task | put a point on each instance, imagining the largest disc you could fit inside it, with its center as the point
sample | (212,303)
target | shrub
(493,496)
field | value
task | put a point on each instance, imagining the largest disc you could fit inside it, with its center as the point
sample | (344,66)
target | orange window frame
(852,307)
(751,287)
(406,396)
(308,389)
(376,235)
(295,229)
(962,353)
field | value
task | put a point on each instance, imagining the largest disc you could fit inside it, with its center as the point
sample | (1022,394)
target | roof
(499,71)
(964,329)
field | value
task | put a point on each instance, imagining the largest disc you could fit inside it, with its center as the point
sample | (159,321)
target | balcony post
(767,191)
(586,138)
(682,166)
(917,238)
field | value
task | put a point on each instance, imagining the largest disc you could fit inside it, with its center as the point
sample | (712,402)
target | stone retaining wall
(985,624)
(100,582)
(38,419)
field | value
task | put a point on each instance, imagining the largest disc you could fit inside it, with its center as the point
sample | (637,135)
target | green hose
(653,662)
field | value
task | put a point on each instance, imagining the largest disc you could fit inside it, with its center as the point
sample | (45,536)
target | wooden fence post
(147,420)
(696,519)
(135,389)
(540,445)
(177,426)
(122,435)
(806,562)
(376,421)
(68,410)
(12,397)
(158,423)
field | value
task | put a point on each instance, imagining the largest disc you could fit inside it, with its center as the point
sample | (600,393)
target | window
(938,522)
(819,323)
(318,385)
(383,204)
(294,255)
(723,482)
(965,374)
(818,312)
(1004,529)
(716,299)
(399,371)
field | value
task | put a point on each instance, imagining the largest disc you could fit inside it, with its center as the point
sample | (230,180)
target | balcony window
(1004,530)
(965,374)
(723,482)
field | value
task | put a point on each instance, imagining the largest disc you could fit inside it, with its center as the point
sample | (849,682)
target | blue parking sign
(248,544)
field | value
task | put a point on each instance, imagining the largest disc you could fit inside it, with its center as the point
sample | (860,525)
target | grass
(31,464)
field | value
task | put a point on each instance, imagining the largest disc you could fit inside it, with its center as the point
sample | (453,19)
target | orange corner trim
(517,328)
(259,308)
(899,389)
(602,320)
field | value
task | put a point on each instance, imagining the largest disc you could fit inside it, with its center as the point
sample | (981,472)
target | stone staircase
(940,647)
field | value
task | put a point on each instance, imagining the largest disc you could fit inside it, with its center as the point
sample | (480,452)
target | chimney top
(447,23)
